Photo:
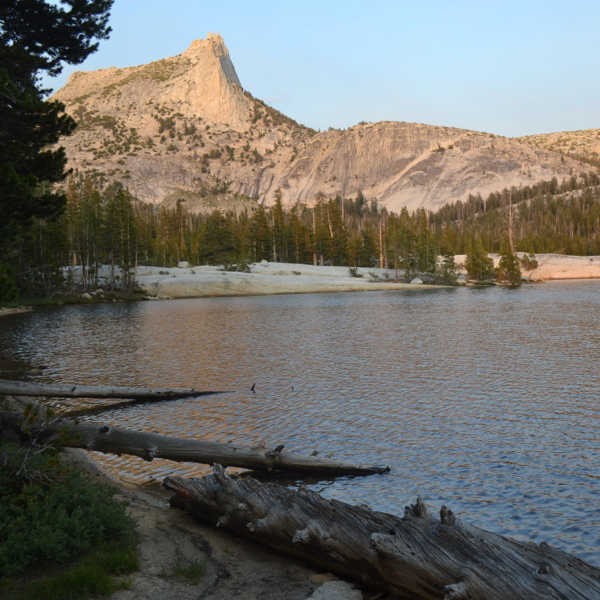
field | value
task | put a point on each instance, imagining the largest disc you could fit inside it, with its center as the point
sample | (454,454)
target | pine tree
(478,264)
(426,252)
(120,236)
(219,243)
(509,269)
(260,235)
(408,244)
(299,235)
(278,215)
(337,242)
(37,37)
(446,274)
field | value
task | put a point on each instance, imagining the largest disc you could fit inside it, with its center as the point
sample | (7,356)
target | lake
(485,400)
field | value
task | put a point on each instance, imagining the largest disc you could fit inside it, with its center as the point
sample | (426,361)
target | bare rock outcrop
(415,165)
(184,128)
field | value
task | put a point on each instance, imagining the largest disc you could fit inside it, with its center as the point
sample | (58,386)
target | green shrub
(92,576)
(529,262)
(239,267)
(49,514)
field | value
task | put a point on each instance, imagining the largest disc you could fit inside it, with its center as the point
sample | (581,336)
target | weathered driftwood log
(48,390)
(414,557)
(117,440)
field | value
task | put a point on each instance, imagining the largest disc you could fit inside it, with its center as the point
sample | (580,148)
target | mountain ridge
(184,126)
(583,143)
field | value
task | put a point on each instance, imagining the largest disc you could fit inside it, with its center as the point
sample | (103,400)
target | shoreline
(236,567)
(265,279)
(287,278)
(552,267)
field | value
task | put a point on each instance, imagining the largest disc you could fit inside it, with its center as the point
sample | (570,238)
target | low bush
(51,515)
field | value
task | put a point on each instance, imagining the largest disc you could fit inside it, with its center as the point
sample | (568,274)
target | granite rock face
(183,128)
(415,165)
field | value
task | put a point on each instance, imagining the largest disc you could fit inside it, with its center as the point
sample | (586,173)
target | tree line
(107,226)
(546,218)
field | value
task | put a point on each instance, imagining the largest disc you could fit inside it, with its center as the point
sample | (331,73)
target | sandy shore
(235,567)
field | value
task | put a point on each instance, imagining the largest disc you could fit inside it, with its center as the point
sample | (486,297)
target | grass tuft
(185,569)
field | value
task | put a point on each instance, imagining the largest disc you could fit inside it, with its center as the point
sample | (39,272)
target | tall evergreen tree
(426,251)
(260,235)
(509,269)
(36,37)
(478,264)
(120,236)
(278,229)
(336,245)
(219,244)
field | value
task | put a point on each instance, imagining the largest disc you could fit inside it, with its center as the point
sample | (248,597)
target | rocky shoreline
(234,567)
(553,267)
(282,278)
(263,278)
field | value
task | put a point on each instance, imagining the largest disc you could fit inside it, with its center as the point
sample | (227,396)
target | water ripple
(483,400)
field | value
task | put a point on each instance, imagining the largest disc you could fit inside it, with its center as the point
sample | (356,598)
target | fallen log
(117,440)
(50,390)
(416,557)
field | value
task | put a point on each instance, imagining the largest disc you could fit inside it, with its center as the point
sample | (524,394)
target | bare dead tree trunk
(117,440)
(26,388)
(417,557)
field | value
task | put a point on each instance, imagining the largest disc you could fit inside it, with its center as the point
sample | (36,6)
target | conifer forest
(106,225)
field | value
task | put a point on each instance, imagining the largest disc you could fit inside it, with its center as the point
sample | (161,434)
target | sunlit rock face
(184,128)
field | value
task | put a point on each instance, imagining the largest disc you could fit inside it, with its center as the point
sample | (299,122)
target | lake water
(487,401)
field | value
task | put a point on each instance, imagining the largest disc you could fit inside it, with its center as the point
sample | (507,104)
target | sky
(510,68)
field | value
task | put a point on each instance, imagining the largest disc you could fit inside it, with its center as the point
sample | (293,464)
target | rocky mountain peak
(183,128)
(213,49)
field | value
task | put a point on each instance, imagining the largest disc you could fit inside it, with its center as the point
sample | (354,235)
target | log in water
(117,440)
(48,390)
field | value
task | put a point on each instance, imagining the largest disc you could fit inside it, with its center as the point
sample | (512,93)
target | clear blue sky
(510,68)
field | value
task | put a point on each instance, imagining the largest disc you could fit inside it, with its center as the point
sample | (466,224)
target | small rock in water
(264,263)
(184,264)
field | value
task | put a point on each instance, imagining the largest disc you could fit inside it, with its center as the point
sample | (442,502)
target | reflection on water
(483,400)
